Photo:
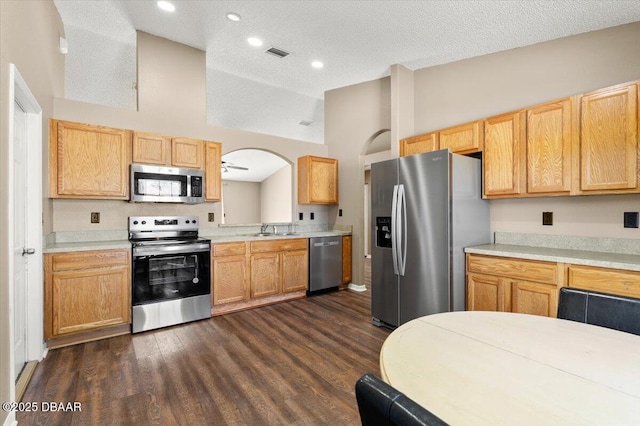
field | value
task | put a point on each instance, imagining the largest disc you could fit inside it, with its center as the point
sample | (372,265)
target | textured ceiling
(357,41)
(261,165)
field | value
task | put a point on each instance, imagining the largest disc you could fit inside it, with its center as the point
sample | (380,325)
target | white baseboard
(356,287)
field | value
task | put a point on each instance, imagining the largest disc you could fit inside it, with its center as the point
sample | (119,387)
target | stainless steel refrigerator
(425,209)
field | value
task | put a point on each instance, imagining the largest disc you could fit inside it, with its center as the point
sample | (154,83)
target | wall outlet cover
(212,217)
(312,216)
(95,217)
(300,216)
(547,218)
(631,219)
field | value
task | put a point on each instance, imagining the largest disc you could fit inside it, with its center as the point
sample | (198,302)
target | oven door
(167,272)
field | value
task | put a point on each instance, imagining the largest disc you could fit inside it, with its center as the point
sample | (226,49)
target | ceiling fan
(227,165)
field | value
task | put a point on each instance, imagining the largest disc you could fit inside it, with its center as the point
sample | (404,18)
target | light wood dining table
(498,368)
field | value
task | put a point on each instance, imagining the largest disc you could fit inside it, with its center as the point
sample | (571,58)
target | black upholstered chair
(382,405)
(606,310)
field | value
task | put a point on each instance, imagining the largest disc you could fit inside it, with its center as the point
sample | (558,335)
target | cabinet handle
(28,251)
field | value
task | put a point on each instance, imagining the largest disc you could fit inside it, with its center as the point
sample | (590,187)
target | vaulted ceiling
(356,40)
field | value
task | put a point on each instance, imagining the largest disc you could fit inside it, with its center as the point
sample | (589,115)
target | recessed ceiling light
(317,64)
(232,16)
(165,5)
(254,41)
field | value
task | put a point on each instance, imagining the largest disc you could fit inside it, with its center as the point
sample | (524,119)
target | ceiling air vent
(277,52)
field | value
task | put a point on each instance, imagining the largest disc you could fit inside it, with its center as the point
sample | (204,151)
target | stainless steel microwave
(159,184)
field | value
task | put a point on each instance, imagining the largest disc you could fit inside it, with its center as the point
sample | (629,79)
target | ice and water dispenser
(383,231)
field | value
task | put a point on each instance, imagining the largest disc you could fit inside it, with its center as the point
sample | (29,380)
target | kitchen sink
(263,234)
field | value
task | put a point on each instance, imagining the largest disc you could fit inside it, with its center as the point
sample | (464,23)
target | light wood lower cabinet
(346,259)
(230,273)
(614,281)
(86,291)
(275,265)
(250,273)
(513,285)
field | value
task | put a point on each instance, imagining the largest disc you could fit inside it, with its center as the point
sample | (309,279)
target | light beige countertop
(615,253)
(502,368)
(630,262)
(99,244)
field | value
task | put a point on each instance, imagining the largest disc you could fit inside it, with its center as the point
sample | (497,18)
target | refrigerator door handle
(394,232)
(402,231)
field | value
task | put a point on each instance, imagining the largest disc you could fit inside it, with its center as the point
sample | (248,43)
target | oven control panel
(163,223)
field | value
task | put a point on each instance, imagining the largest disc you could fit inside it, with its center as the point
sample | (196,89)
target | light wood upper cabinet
(151,148)
(88,161)
(317,180)
(187,153)
(419,144)
(503,155)
(212,173)
(548,143)
(463,139)
(609,140)
(154,148)
(86,291)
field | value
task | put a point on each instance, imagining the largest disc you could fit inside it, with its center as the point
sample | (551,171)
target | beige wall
(29,34)
(172,101)
(241,202)
(480,87)
(275,196)
(353,115)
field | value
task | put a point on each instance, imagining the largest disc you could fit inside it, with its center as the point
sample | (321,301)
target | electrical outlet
(630,219)
(211,217)
(311,216)
(547,218)
(300,216)
(340,212)
(95,217)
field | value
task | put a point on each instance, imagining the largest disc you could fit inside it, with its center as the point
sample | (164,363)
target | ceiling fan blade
(237,167)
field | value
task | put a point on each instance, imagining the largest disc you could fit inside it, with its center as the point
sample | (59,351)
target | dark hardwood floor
(294,363)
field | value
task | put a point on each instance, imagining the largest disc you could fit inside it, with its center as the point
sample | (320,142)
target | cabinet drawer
(614,281)
(530,270)
(228,249)
(89,259)
(279,245)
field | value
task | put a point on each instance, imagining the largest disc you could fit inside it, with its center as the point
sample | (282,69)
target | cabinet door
(317,180)
(609,139)
(187,153)
(295,270)
(88,299)
(549,138)
(418,144)
(229,279)
(463,139)
(486,293)
(502,155)
(265,274)
(346,259)
(212,173)
(88,161)
(534,298)
(151,148)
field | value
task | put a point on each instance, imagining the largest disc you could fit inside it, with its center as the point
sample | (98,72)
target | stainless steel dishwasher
(325,263)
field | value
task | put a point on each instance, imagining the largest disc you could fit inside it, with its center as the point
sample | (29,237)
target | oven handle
(160,250)
(196,279)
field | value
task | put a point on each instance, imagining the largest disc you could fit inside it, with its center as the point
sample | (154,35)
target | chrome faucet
(263,228)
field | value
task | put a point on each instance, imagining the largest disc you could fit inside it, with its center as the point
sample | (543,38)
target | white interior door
(20,249)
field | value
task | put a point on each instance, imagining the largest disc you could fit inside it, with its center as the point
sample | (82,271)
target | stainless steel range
(171,277)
